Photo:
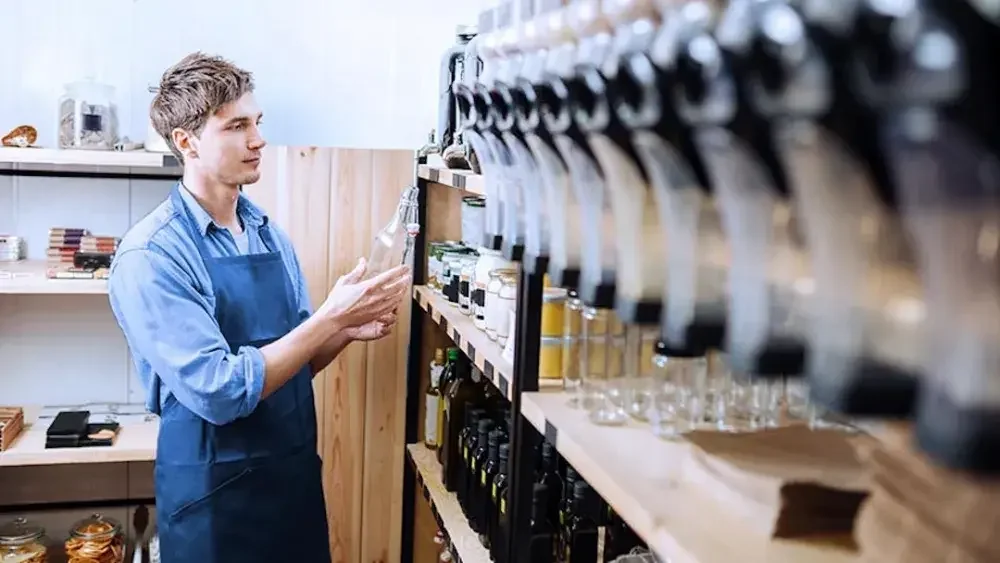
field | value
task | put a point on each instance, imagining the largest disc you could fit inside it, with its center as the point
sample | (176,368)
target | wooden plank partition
(331,202)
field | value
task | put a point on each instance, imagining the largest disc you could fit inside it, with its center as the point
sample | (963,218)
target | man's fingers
(391,275)
(358,272)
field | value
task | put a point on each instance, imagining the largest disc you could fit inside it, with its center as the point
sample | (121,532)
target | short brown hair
(194,89)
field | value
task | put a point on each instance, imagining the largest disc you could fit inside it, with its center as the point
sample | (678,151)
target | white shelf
(445,506)
(138,162)
(486,354)
(136,442)
(642,478)
(460,179)
(30,277)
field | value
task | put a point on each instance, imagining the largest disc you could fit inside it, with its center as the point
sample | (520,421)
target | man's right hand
(354,303)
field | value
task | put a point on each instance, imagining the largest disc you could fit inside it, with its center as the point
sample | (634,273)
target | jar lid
(20,531)
(97,526)
(502,272)
(553,294)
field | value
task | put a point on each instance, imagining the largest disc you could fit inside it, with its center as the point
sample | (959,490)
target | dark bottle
(542,547)
(472,418)
(462,395)
(564,505)
(581,533)
(448,378)
(474,498)
(548,475)
(498,539)
(619,538)
(493,400)
(484,490)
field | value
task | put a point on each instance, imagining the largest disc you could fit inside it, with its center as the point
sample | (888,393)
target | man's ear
(186,143)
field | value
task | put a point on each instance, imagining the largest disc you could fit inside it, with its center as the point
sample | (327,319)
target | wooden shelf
(460,179)
(136,442)
(139,162)
(486,354)
(641,477)
(445,507)
(30,277)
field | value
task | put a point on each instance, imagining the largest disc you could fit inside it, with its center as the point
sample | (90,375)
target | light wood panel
(331,202)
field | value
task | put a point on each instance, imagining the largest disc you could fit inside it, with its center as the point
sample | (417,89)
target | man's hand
(354,304)
(374,330)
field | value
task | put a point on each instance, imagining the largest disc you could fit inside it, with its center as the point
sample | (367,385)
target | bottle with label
(447,378)
(474,496)
(498,539)
(542,545)
(487,474)
(582,541)
(465,438)
(461,395)
(432,403)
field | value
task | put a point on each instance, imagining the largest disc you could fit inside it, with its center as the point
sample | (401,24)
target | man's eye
(237,127)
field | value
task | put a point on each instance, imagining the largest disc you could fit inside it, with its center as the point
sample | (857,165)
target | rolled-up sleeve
(170,325)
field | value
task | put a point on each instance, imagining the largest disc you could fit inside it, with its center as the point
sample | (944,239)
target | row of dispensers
(811,186)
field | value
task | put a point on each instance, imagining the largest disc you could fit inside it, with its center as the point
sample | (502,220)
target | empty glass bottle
(394,243)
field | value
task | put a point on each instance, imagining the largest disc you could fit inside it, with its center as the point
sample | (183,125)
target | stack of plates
(11,248)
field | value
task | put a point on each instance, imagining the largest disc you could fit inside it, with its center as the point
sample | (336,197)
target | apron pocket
(190,487)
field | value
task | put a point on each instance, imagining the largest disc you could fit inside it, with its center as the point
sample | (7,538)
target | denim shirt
(161,295)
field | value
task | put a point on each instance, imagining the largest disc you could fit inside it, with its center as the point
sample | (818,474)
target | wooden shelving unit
(643,478)
(134,163)
(136,442)
(486,354)
(460,179)
(31,277)
(445,507)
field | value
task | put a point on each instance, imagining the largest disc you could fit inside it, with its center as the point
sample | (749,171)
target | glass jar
(23,542)
(489,260)
(97,538)
(507,304)
(571,354)
(465,281)
(550,358)
(88,116)
(553,307)
(495,315)
(450,273)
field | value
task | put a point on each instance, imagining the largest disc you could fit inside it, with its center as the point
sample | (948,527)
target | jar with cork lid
(22,541)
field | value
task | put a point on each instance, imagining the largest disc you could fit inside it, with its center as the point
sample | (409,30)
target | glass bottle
(447,378)
(394,243)
(572,348)
(23,541)
(542,542)
(498,493)
(474,497)
(466,437)
(581,529)
(487,474)
(548,475)
(432,403)
(462,394)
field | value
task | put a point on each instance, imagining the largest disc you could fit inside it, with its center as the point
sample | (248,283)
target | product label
(503,505)
(431,419)
(465,454)
(494,494)
(482,477)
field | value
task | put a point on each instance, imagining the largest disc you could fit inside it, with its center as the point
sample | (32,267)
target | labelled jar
(550,358)
(489,260)
(553,311)
(495,313)
(98,538)
(508,304)
(22,541)
(465,279)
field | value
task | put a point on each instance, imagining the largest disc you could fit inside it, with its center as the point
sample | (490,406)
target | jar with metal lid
(553,307)
(97,538)
(495,314)
(465,280)
(507,303)
(23,542)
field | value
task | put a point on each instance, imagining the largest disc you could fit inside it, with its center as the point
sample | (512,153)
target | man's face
(229,147)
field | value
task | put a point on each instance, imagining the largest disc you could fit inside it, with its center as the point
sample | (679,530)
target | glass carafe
(394,242)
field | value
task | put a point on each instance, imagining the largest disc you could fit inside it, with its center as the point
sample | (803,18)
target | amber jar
(97,539)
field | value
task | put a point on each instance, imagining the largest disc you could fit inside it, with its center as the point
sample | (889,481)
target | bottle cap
(504,452)
(453,354)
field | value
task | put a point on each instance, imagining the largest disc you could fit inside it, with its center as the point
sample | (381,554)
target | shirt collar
(249,214)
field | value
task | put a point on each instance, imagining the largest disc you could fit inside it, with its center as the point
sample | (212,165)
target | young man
(213,304)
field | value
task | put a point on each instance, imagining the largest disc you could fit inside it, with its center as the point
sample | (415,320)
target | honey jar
(553,311)
(550,359)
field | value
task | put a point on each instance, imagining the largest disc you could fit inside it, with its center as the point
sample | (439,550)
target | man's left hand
(374,330)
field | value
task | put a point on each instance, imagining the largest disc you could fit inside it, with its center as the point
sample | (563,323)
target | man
(213,304)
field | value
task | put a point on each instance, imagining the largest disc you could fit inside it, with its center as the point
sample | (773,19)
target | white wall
(346,73)
(330,73)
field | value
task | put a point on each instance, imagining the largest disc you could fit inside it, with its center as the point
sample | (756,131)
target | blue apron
(250,490)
